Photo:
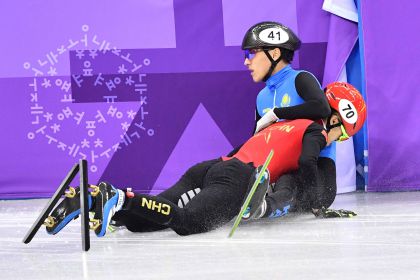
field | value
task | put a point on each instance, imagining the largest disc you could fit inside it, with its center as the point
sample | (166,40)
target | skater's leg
(219,201)
(189,185)
(135,223)
(282,199)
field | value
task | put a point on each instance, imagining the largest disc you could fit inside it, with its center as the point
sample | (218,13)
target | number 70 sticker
(347,111)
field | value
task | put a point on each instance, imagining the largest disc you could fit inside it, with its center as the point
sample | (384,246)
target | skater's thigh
(211,208)
(190,184)
(287,183)
(224,189)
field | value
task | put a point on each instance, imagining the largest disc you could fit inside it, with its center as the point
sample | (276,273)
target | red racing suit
(285,138)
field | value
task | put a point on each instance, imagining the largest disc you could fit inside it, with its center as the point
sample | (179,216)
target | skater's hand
(331,213)
(266,120)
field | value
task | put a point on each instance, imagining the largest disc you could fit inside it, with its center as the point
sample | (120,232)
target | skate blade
(49,222)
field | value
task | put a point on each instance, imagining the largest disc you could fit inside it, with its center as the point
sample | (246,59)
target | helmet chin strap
(331,126)
(273,65)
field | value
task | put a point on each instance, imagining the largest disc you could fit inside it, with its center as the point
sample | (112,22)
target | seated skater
(289,193)
(223,182)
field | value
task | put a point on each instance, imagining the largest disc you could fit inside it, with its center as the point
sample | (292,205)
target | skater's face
(258,63)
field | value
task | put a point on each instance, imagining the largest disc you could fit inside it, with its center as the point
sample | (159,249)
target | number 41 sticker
(274,35)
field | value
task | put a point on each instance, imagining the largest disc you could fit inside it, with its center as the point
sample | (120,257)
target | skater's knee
(188,222)
(198,171)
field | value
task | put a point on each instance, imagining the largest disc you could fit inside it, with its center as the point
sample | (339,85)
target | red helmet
(349,103)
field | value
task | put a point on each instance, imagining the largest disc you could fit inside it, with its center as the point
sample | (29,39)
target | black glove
(331,213)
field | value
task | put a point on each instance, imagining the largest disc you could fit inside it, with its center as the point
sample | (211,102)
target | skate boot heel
(49,222)
(70,193)
(108,201)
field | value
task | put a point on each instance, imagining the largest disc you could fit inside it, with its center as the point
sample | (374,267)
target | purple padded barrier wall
(392,52)
(141,89)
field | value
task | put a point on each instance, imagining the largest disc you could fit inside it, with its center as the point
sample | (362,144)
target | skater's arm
(313,142)
(315,106)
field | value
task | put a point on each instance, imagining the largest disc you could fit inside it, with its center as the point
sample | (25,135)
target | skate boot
(67,210)
(108,200)
(257,205)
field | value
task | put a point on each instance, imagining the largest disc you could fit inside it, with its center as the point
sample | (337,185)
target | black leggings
(291,194)
(213,193)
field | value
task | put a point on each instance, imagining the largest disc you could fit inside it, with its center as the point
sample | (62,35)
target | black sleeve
(327,181)
(315,106)
(312,144)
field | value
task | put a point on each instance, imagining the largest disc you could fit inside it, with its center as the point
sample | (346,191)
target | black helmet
(270,34)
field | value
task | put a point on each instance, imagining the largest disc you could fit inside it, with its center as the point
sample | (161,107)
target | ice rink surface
(382,242)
